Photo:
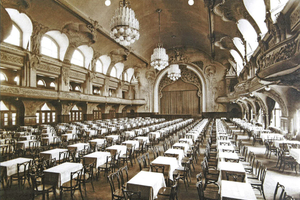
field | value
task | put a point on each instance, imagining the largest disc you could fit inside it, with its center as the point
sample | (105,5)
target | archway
(196,73)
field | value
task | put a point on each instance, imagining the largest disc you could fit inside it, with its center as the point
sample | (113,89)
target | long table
(148,183)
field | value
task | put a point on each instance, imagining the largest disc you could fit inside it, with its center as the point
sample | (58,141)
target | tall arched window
(8,114)
(49,47)
(99,66)
(3,77)
(78,58)
(125,76)
(15,36)
(46,115)
(113,72)
(276,116)
(75,114)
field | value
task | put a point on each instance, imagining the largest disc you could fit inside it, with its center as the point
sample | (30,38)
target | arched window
(75,114)
(99,66)
(49,47)
(52,84)
(125,76)
(45,115)
(113,72)
(3,77)
(78,58)
(77,88)
(15,36)
(17,80)
(8,114)
(238,60)
(275,122)
(41,83)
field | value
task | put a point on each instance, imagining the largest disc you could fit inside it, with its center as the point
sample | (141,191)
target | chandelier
(174,73)
(124,26)
(159,58)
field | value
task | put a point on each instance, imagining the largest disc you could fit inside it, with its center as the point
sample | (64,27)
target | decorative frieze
(77,75)
(11,58)
(49,68)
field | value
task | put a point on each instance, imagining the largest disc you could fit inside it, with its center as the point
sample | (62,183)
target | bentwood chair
(277,194)
(206,194)
(73,185)
(114,182)
(39,187)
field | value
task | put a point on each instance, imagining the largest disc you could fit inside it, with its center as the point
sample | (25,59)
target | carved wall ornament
(65,75)
(187,76)
(281,53)
(295,18)
(178,56)
(49,68)
(77,75)
(210,70)
(231,72)
(92,76)
(78,34)
(20,5)
(11,58)
(93,26)
(38,31)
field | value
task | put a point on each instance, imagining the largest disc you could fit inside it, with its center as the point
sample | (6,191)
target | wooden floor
(288,178)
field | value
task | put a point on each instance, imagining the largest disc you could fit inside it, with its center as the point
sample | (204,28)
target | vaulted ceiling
(200,26)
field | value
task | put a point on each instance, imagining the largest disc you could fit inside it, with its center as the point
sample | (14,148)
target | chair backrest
(263,175)
(199,177)
(114,181)
(23,167)
(235,177)
(277,189)
(77,176)
(139,159)
(200,190)
(64,156)
(158,168)
(123,173)
(132,195)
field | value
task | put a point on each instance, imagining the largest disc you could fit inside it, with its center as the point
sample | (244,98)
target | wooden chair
(131,195)
(207,194)
(22,173)
(73,185)
(169,192)
(88,174)
(259,183)
(276,192)
(123,173)
(106,167)
(39,187)
(235,177)
(114,182)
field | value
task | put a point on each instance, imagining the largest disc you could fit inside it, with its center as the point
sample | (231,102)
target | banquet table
(50,140)
(229,148)
(117,149)
(91,132)
(60,174)
(98,157)
(131,143)
(68,136)
(288,142)
(51,154)
(78,146)
(183,145)
(157,134)
(189,141)
(11,165)
(97,141)
(194,135)
(296,154)
(129,133)
(271,136)
(47,134)
(170,164)
(234,168)
(178,152)
(144,138)
(224,143)
(227,155)
(114,137)
(26,137)
(236,190)
(148,183)
(26,144)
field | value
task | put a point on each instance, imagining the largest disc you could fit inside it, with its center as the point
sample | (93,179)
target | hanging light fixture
(174,73)
(124,26)
(159,58)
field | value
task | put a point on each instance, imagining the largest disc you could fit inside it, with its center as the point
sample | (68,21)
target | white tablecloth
(236,190)
(178,152)
(11,165)
(78,146)
(271,136)
(51,154)
(296,154)
(172,163)
(68,136)
(184,145)
(144,138)
(114,137)
(132,143)
(230,167)
(289,142)
(97,141)
(189,141)
(60,174)
(148,183)
(117,148)
(100,158)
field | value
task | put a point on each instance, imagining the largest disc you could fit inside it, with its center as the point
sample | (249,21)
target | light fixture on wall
(107,2)
(267,88)
(174,73)
(191,2)
(124,26)
(159,58)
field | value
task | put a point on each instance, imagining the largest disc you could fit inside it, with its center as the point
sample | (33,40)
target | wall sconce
(107,2)
(267,88)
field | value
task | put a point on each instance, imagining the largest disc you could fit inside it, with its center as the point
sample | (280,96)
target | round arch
(189,67)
